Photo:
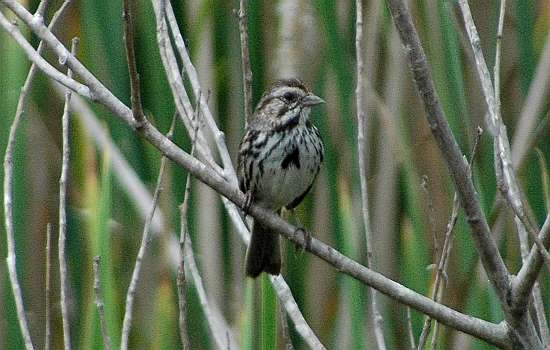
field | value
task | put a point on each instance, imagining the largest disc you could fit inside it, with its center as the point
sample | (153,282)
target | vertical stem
(128,23)
(145,238)
(181,281)
(63,179)
(48,332)
(376,316)
(100,305)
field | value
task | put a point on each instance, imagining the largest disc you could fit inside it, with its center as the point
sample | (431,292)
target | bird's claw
(307,239)
(247,201)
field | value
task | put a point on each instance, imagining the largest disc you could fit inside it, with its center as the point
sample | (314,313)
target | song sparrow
(279,157)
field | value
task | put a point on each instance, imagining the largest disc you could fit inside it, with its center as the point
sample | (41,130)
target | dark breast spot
(293,158)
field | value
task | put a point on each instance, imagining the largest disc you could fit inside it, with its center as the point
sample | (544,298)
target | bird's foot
(247,202)
(307,240)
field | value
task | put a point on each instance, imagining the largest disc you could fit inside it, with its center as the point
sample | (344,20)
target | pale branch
(145,239)
(410,332)
(219,136)
(245,60)
(40,62)
(63,179)
(492,333)
(281,288)
(285,332)
(48,332)
(522,285)
(289,303)
(458,166)
(100,305)
(377,320)
(93,90)
(184,230)
(538,303)
(8,164)
(179,93)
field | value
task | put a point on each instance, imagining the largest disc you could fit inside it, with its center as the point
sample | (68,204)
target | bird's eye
(289,96)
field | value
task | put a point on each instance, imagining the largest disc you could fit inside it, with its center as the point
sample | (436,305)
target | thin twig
(179,93)
(527,275)
(361,124)
(128,24)
(441,267)
(181,281)
(538,303)
(219,136)
(245,60)
(410,329)
(285,333)
(145,238)
(100,92)
(8,161)
(100,305)
(63,179)
(48,332)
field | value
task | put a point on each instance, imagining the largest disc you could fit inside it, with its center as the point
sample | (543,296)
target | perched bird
(279,158)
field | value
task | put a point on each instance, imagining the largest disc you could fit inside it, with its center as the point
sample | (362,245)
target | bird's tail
(263,253)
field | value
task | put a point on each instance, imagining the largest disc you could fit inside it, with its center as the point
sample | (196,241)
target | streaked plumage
(279,158)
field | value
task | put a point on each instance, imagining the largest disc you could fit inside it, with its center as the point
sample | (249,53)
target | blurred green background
(313,40)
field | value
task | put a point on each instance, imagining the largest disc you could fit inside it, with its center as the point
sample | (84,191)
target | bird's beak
(312,100)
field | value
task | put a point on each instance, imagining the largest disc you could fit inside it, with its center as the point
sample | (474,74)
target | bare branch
(182,295)
(128,23)
(361,154)
(181,98)
(145,239)
(538,304)
(285,333)
(219,136)
(42,64)
(245,59)
(527,275)
(410,332)
(63,273)
(100,305)
(94,90)
(48,332)
(8,159)
(458,167)
(441,267)
(289,303)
